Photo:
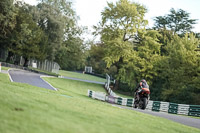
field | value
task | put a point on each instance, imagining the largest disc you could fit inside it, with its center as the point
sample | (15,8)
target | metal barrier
(158,106)
(107,87)
(45,65)
(174,108)
(11,65)
(111,99)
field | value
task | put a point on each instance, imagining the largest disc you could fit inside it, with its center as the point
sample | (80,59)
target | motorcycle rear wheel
(135,106)
(144,105)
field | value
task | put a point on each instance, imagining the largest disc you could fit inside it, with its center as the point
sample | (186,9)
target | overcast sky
(89,11)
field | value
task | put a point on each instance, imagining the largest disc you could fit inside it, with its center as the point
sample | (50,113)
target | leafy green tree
(118,27)
(48,30)
(59,22)
(7,23)
(56,18)
(71,56)
(7,17)
(177,21)
(140,64)
(28,40)
(95,57)
(180,70)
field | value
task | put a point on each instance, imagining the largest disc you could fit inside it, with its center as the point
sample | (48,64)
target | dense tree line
(48,30)
(167,56)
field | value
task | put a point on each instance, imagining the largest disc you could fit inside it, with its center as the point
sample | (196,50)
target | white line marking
(9,75)
(48,82)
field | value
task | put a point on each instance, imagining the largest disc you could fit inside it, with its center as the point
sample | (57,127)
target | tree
(59,22)
(48,30)
(118,27)
(71,55)
(177,21)
(56,18)
(7,23)
(7,17)
(28,40)
(95,57)
(140,64)
(180,70)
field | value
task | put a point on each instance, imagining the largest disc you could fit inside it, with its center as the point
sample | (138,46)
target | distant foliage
(48,30)
(181,70)
(177,21)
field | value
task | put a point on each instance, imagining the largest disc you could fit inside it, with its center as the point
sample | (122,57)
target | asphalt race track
(31,78)
(88,81)
(186,120)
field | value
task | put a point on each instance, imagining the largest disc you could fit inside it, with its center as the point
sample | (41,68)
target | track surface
(35,80)
(189,121)
(88,81)
(31,78)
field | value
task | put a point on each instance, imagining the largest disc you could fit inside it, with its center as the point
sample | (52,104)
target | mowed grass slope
(81,76)
(4,68)
(28,109)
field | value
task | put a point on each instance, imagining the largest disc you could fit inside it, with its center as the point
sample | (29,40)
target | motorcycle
(142,98)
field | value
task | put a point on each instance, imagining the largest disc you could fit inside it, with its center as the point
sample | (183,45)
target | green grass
(122,95)
(81,76)
(5,68)
(29,109)
(45,72)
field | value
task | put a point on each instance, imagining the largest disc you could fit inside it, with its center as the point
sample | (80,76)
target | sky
(89,11)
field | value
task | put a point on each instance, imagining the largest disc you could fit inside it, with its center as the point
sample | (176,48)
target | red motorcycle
(142,98)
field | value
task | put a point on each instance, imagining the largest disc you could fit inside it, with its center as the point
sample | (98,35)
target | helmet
(143,80)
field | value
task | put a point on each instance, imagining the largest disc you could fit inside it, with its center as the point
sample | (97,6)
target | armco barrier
(164,106)
(100,96)
(90,93)
(121,101)
(149,105)
(156,106)
(194,110)
(183,109)
(130,102)
(173,108)
(97,95)
(107,87)
(110,99)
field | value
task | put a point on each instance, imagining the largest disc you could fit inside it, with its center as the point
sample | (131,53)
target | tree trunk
(10,55)
(25,62)
(116,86)
(118,65)
(17,60)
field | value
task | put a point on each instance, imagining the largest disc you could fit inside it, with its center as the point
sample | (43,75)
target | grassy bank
(43,71)
(81,76)
(88,77)
(24,108)
(4,68)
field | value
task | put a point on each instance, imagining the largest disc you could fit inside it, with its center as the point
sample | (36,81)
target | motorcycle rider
(138,90)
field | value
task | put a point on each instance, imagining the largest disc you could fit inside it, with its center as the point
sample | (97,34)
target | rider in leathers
(138,90)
